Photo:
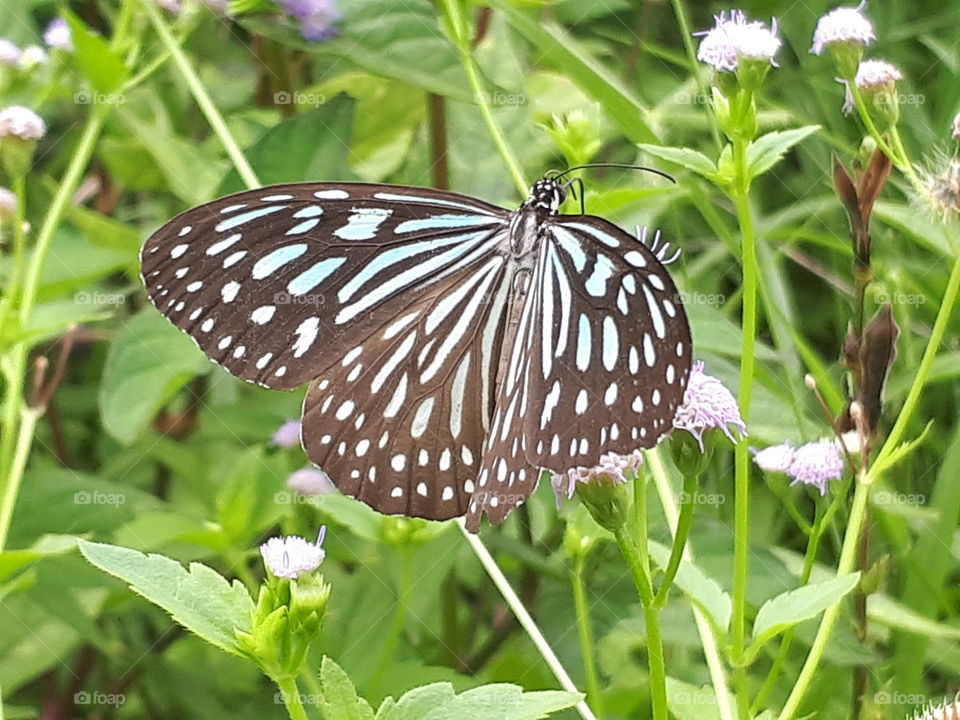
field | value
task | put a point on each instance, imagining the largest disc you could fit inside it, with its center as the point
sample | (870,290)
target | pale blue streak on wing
(270,263)
(606,238)
(395,197)
(571,246)
(443,222)
(246,217)
(583,343)
(310,278)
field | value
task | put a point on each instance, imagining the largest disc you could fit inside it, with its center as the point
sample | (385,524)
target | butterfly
(453,349)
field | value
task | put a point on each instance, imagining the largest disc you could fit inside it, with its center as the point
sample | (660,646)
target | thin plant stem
(290,694)
(848,558)
(687,36)
(459,29)
(399,619)
(523,616)
(741,199)
(585,632)
(708,640)
(632,542)
(680,535)
(28,424)
(200,94)
(910,405)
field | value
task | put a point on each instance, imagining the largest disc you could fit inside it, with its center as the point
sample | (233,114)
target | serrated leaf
(199,598)
(901,451)
(795,606)
(699,587)
(685,157)
(340,698)
(103,68)
(148,362)
(767,150)
(487,702)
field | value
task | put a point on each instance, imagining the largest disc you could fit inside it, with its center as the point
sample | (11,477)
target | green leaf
(560,49)
(691,702)
(699,587)
(901,451)
(685,157)
(149,361)
(103,231)
(887,611)
(103,68)
(311,146)
(767,150)
(487,702)
(402,41)
(13,560)
(340,696)
(199,598)
(795,606)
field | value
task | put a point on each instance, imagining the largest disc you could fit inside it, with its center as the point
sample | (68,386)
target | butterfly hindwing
(599,365)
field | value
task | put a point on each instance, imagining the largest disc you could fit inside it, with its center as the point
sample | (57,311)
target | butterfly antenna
(557,174)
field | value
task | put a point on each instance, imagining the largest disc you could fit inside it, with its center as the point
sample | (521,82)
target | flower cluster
(316,17)
(815,463)
(842,26)
(707,405)
(735,38)
(288,434)
(310,481)
(58,36)
(612,470)
(20,122)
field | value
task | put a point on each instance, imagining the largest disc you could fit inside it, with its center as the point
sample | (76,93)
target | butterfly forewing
(599,364)
(273,283)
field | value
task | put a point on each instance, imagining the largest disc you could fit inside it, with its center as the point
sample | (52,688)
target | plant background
(149,446)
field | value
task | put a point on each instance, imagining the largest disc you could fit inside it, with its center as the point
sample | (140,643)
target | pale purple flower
(57,35)
(170,6)
(317,17)
(708,405)
(8,204)
(842,25)
(310,481)
(292,556)
(612,470)
(955,128)
(9,53)
(735,37)
(814,463)
(288,434)
(21,122)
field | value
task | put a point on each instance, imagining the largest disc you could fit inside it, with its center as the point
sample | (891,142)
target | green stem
(523,616)
(585,632)
(910,405)
(848,557)
(708,640)
(681,533)
(906,167)
(633,547)
(459,29)
(741,457)
(28,423)
(291,698)
(399,619)
(200,94)
(704,91)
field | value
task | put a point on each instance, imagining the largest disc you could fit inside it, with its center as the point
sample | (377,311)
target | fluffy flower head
(57,35)
(877,75)
(815,463)
(955,128)
(707,405)
(310,481)
(288,434)
(842,25)
(776,458)
(24,123)
(32,56)
(292,556)
(612,470)
(735,37)
(8,204)
(9,53)
(317,17)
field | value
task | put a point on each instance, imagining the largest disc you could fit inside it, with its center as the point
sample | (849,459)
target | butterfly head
(547,194)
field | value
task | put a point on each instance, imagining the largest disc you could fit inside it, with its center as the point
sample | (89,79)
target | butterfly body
(453,348)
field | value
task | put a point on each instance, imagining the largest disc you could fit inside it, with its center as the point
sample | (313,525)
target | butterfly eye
(438,386)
